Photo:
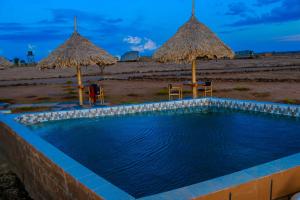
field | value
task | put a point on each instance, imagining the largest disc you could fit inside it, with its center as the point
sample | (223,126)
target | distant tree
(23,62)
(16,61)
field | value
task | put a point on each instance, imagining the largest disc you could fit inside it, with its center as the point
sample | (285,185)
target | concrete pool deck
(50,174)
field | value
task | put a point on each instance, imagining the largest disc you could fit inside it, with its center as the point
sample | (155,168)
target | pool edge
(69,166)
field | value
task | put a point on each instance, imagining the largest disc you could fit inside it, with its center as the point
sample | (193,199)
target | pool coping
(107,190)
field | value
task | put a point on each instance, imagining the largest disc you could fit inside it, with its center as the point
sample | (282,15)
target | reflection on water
(150,153)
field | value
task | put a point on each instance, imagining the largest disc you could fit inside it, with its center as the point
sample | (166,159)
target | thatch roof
(77,51)
(4,62)
(193,40)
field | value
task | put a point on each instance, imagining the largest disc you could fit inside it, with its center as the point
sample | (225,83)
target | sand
(275,79)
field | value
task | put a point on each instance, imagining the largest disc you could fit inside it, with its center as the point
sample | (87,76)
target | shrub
(261,94)
(69,82)
(242,89)
(290,101)
(163,92)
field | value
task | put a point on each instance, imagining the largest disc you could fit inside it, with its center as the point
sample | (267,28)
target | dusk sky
(143,25)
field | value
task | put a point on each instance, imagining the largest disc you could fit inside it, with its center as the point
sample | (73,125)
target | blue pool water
(151,153)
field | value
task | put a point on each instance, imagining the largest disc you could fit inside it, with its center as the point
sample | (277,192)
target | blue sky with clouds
(143,25)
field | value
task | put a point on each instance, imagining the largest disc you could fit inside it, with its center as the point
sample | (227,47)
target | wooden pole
(80,86)
(193,8)
(194,80)
(75,24)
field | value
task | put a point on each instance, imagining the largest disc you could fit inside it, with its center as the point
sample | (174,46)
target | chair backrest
(93,90)
(208,83)
(170,86)
(97,89)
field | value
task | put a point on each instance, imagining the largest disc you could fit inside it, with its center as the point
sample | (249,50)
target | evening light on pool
(154,152)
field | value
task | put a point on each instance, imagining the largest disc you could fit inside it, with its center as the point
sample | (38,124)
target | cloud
(139,48)
(150,45)
(288,10)
(139,44)
(289,38)
(58,26)
(11,26)
(234,30)
(132,40)
(38,36)
(31,32)
(104,31)
(237,8)
(65,16)
(266,2)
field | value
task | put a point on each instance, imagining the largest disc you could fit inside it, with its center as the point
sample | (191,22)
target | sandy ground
(120,92)
(274,79)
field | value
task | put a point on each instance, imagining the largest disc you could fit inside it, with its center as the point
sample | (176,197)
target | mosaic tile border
(253,106)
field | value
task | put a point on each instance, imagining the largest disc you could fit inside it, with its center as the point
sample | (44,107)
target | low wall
(42,178)
(276,186)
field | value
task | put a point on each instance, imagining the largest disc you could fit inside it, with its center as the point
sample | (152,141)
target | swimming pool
(151,152)
(179,150)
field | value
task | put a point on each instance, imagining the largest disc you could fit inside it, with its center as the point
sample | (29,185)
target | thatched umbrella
(77,51)
(4,63)
(193,40)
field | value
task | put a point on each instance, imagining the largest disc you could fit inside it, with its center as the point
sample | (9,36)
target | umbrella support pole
(80,86)
(194,80)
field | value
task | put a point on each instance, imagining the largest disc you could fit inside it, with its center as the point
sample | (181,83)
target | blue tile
(92,181)
(262,170)
(108,191)
(287,162)
(78,172)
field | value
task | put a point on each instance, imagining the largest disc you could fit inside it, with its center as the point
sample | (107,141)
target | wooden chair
(175,91)
(96,93)
(207,88)
(100,96)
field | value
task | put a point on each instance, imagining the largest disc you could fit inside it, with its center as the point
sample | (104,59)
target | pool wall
(46,172)
(42,178)
(279,186)
(253,106)
(50,174)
